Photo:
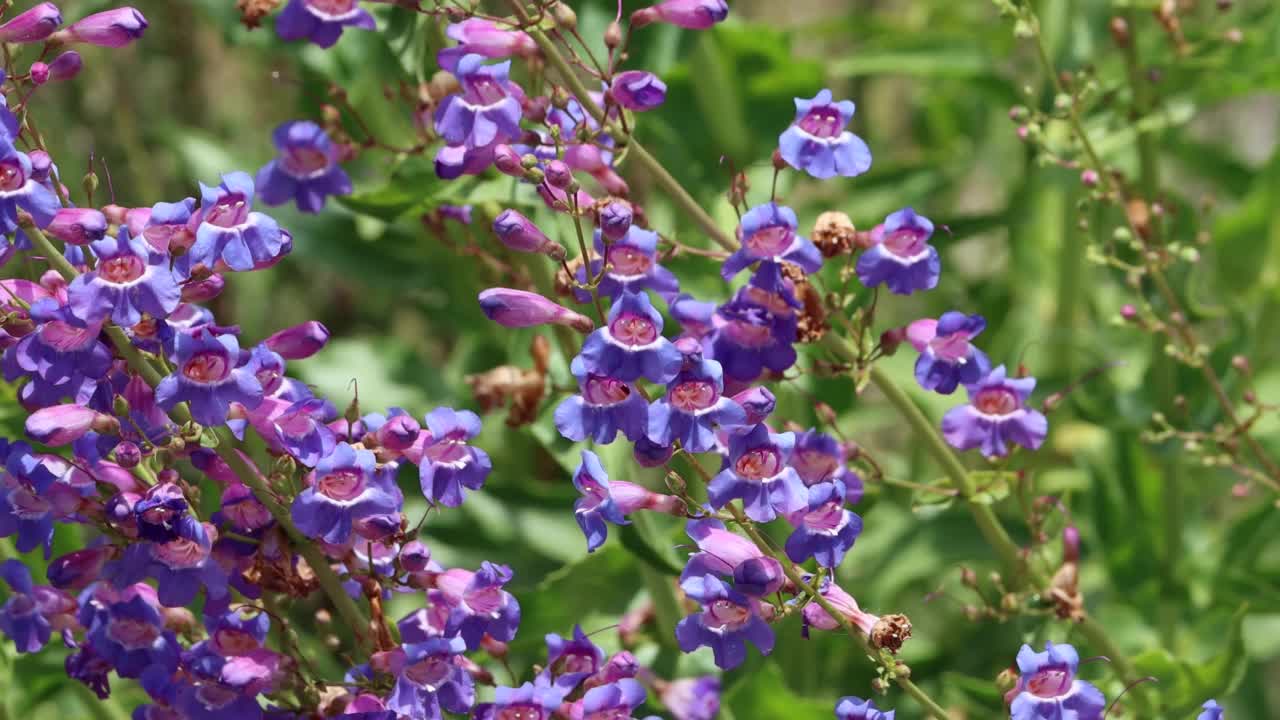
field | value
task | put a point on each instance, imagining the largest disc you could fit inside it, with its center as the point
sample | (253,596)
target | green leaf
(1185,684)
(765,695)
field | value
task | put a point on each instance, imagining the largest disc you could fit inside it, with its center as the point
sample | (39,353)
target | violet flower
(228,231)
(825,530)
(432,678)
(631,346)
(321,21)
(306,169)
(757,473)
(603,407)
(947,355)
(638,90)
(630,264)
(996,416)
(207,379)
(727,621)
(693,407)
(1049,690)
(855,708)
(478,604)
(901,258)
(449,464)
(769,235)
(130,279)
(344,488)
(818,143)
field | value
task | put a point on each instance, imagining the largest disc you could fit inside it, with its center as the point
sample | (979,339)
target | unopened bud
(519,309)
(1241,364)
(968,577)
(39,73)
(890,340)
(564,16)
(90,183)
(1120,31)
(613,35)
(779,163)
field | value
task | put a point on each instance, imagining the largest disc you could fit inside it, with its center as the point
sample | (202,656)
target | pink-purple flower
(901,258)
(305,169)
(947,355)
(321,21)
(996,416)
(818,143)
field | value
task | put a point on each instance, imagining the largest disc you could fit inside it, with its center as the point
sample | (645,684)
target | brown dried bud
(540,351)
(1120,32)
(323,617)
(890,340)
(834,234)
(522,388)
(1241,364)
(779,164)
(968,577)
(442,85)
(613,35)
(252,11)
(890,632)
(565,17)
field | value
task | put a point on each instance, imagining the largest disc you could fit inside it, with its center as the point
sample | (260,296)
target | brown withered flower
(834,234)
(252,11)
(521,388)
(811,318)
(891,632)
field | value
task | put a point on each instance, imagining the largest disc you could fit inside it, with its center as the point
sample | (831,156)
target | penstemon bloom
(1048,688)
(306,170)
(947,355)
(818,143)
(996,416)
(901,258)
(321,21)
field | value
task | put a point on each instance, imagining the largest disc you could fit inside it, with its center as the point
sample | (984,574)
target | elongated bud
(112,28)
(62,424)
(689,14)
(78,226)
(507,161)
(66,66)
(613,35)
(300,341)
(615,219)
(34,25)
(77,569)
(203,290)
(520,234)
(39,73)
(518,309)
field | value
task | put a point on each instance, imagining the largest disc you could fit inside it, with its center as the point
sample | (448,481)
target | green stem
(307,548)
(664,179)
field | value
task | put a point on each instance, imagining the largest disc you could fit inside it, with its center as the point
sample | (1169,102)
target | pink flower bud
(112,28)
(78,226)
(638,90)
(415,557)
(136,219)
(519,309)
(66,66)
(203,290)
(507,161)
(483,37)
(558,174)
(128,454)
(41,163)
(300,341)
(34,25)
(689,14)
(39,73)
(520,234)
(62,424)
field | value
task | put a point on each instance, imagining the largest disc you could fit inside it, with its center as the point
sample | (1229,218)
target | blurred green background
(1182,573)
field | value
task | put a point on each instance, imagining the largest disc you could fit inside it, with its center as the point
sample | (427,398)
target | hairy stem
(307,548)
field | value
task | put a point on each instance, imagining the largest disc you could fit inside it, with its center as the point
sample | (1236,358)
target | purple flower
(749,337)
(520,234)
(25,617)
(207,378)
(692,408)
(902,258)
(448,464)
(996,416)
(27,500)
(1048,689)
(728,619)
(213,700)
(181,567)
(521,309)
(62,358)
(757,402)
(689,14)
(758,474)
(483,37)
(19,189)
(130,279)
(306,169)
(166,227)
(632,267)
(163,514)
(300,341)
(228,231)
(615,700)
(62,424)
(729,555)
(604,500)
(631,346)
(638,90)
(1212,711)
(818,458)
(769,235)
(537,700)
(66,66)
(113,28)
(486,112)
(817,142)
(605,406)
(78,226)
(572,660)
(34,25)
(301,431)
(131,637)
(825,530)
(855,708)
(947,355)
(344,488)
(692,698)
(478,604)
(432,677)
(321,21)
